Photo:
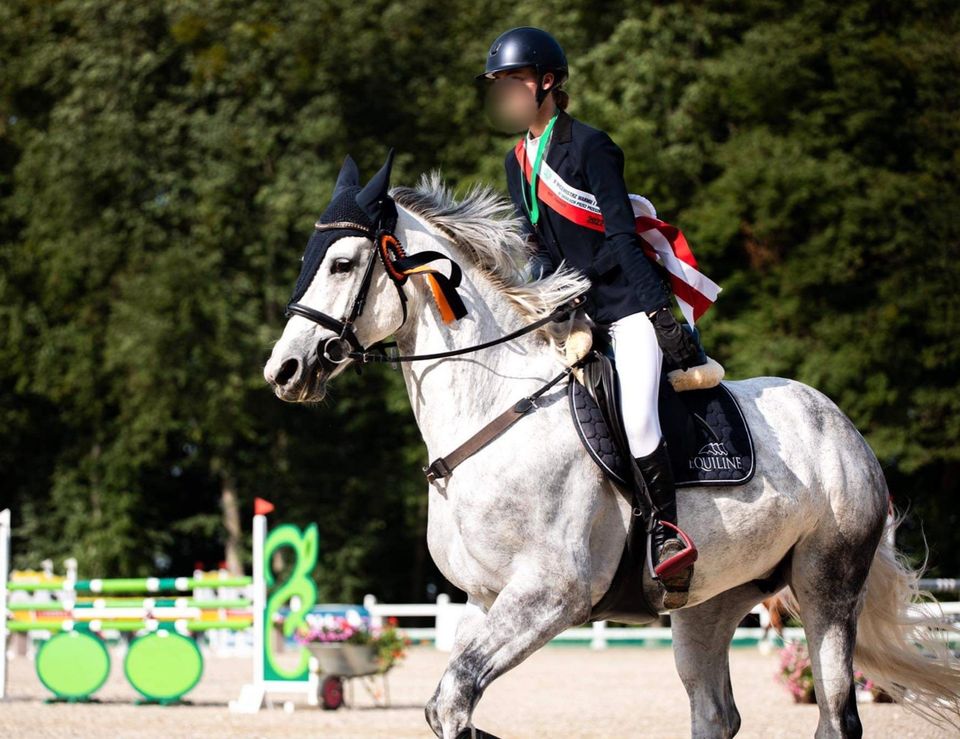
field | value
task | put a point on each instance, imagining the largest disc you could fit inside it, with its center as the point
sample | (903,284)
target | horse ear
(376,189)
(349,176)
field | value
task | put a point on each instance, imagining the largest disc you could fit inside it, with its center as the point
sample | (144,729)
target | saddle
(709,444)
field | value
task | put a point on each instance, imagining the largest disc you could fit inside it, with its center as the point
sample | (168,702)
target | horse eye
(341,265)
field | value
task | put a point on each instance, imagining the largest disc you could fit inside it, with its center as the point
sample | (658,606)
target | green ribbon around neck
(535,207)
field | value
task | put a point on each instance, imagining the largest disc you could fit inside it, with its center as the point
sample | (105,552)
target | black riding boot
(673,554)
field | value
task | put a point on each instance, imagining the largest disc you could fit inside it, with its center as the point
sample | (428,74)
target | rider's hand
(677,344)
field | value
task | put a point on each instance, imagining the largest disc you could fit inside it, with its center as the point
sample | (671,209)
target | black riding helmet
(527,47)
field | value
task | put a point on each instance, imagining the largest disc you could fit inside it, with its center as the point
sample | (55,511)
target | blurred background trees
(161,165)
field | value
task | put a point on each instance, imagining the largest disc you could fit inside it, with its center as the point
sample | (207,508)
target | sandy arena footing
(562,691)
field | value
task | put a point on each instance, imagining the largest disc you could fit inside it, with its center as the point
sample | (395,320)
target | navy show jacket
(624,280)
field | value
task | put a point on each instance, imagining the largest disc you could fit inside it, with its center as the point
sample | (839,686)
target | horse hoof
(476,734)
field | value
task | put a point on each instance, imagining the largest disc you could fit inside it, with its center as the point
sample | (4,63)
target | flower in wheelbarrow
(354,618)
(331,629)
(391,645)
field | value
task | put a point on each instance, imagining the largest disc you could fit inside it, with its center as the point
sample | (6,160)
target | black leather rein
(375,354)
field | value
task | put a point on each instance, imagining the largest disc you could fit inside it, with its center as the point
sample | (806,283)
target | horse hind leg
(701,649)
(827,576)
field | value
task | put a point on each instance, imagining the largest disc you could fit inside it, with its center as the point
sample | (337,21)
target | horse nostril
(287,371)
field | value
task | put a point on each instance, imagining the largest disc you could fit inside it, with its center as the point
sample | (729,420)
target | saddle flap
(596,410)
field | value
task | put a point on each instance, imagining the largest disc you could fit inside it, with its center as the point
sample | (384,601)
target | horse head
(339,303)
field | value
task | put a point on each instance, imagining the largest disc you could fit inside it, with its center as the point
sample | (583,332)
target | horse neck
(453,398)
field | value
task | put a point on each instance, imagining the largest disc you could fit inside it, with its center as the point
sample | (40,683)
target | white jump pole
(4,578)
(259,598)
(253,694)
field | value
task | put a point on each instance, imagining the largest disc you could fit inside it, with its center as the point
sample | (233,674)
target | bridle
(399,266)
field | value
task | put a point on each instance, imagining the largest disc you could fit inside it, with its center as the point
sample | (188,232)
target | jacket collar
(560,140)
(561,129)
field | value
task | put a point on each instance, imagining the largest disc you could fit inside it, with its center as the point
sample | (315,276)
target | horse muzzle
(303,379)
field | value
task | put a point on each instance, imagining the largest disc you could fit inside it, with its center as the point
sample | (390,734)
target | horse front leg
(531,610)
(470,622)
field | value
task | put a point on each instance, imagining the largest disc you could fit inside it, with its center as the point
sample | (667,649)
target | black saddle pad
(707,436)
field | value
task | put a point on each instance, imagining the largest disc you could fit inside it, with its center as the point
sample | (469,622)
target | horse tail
(903,635)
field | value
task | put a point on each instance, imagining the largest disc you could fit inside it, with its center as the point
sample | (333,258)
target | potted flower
(865,687)
(391,645)
(349,645)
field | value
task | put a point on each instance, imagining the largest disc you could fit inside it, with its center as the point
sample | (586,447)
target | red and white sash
(663,243)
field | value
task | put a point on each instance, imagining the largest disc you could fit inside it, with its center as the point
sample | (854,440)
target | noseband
(345,345)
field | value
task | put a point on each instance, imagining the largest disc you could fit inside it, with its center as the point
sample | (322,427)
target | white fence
(446,616)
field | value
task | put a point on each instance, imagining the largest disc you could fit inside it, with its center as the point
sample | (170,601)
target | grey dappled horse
(533,532)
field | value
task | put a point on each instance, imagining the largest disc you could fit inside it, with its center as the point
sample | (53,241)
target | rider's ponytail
(560,97)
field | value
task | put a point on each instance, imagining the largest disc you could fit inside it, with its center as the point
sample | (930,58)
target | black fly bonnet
(368,211)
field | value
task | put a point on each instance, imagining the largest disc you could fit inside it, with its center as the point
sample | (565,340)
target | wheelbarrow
(338,664)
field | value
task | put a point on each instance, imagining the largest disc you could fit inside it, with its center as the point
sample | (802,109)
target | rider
(628,293)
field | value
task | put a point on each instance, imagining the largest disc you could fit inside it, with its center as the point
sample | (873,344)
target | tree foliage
(161,164)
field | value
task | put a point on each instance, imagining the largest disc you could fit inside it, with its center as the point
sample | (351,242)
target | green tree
(161,165)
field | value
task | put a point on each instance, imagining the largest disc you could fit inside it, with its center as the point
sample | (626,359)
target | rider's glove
(678,345)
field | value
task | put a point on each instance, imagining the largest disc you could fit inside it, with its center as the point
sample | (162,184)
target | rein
(557,315)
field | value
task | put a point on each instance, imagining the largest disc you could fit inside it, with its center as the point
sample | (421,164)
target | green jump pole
(132,585)
(4,577)
(204,605)
(237,624)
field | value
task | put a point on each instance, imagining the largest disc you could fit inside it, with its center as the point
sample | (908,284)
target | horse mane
(485,227)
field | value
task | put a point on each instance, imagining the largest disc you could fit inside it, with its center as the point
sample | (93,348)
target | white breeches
(639,359)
